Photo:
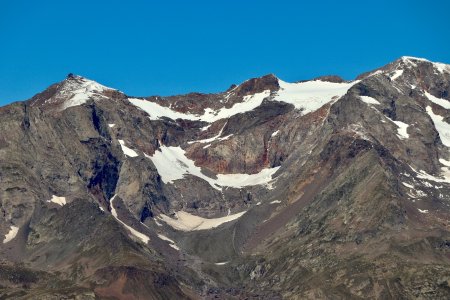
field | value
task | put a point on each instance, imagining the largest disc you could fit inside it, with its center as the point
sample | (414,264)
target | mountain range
(317,189)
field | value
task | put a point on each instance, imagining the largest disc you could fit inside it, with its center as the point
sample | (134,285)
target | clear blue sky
(145,47)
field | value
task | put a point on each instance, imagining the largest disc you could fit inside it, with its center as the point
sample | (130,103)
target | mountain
(318,189)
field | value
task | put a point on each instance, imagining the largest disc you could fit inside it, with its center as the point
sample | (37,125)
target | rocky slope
(320,189)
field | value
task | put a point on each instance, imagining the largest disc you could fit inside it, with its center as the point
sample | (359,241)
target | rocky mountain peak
(75,90)
(257,85)
(413,65)
(330,78)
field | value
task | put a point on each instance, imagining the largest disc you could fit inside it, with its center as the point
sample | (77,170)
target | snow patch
(442,127)
(186,222)
(213,139)
(275,133)
(446,174)
(369,100)
(58,200)
(172,164)
(174,247)
(127,151)
(164,238)
(205,128)
(441,102)
(171,242)
(264,177)
(424,175)
(111,125)
(275,202)
(402,130)
(221,263)
(133,231)
(396,74)
(444,162)
(408,185)
(423,211)
(11,234)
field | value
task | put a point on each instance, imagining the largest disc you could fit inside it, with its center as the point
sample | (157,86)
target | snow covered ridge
(172,164)
(311,95)
(79,90)
(413,61)
(186,222)
(407,62)
(156,111)
(308,96)
(11,234)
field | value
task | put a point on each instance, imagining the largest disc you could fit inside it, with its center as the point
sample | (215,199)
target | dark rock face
(330,78)
(101,199)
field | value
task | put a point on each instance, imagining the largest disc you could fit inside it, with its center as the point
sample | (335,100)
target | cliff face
(315,189)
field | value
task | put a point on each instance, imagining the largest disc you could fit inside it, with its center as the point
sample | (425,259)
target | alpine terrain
(317,189)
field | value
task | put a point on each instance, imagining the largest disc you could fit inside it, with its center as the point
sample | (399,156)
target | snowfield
(311,95)
(172,164)
(308,96)
(186,222)
(156,111)
(264,177)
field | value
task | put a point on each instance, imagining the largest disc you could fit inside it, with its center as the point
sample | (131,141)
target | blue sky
(145,47)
